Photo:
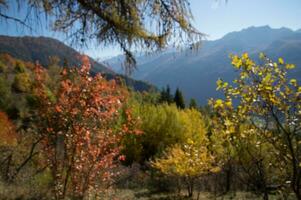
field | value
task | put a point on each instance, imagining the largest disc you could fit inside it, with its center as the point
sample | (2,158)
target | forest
(67,133)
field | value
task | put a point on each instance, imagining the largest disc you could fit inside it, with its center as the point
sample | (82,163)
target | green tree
(22,82)
(161,126)
(3,67)
(179,99)
(166,96)
(193,104)
(5,93)
(19,67)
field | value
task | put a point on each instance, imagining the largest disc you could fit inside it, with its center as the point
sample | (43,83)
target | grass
(22,192)
(126,194)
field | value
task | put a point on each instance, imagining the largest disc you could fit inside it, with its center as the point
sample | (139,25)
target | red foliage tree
(82,129)
(8,140)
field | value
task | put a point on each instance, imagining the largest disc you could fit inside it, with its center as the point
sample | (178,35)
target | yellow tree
(191,159)
(269,102)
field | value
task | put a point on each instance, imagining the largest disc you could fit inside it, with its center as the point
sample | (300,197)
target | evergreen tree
(193,104)
(162,95)
(179,99)
(165,95)
(169,98)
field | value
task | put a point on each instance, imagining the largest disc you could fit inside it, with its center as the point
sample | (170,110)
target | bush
(13,112)
(19,67)
(22,82)
(159,183)
(32,101)
(4,93)
(3,67)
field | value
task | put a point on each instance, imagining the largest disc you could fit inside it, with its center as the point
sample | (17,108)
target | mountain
(42,48)
(195,72)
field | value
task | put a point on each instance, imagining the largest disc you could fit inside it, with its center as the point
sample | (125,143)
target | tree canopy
(150,24)
(269,101)
(179,99)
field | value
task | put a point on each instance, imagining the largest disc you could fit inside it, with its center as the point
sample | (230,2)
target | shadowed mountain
(42,48)
(195,71)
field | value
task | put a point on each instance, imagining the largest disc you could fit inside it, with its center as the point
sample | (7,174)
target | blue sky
(212,17)
(217,18)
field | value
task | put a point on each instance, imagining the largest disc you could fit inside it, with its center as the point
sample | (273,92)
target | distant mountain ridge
(196,72)
(34,49)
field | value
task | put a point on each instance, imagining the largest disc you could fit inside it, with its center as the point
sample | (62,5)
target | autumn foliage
(191,159)
(81,130)
(68,135)
(7,132)
(269,105)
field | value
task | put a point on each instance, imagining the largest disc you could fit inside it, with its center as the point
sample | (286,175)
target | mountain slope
(196,72)
(42,48)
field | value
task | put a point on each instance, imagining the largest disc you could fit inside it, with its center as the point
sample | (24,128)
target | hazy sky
(212,17)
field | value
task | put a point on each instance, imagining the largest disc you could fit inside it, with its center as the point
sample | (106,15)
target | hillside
(41,48)
(196,72)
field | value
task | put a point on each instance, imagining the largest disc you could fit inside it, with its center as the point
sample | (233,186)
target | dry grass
(125,194)
(23,192)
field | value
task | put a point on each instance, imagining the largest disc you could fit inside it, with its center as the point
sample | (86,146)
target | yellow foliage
(266,118)
(192,158)
(188,160)
(236,62)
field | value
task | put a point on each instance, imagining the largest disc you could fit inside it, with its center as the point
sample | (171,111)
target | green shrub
(4,93)
(32,101)
(22,82)
(19,67)
(3,67)
(13,112)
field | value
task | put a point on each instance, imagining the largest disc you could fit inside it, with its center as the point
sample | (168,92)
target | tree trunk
(297,193)
(228,177)
(190,187)
(296,180)
(265,196)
